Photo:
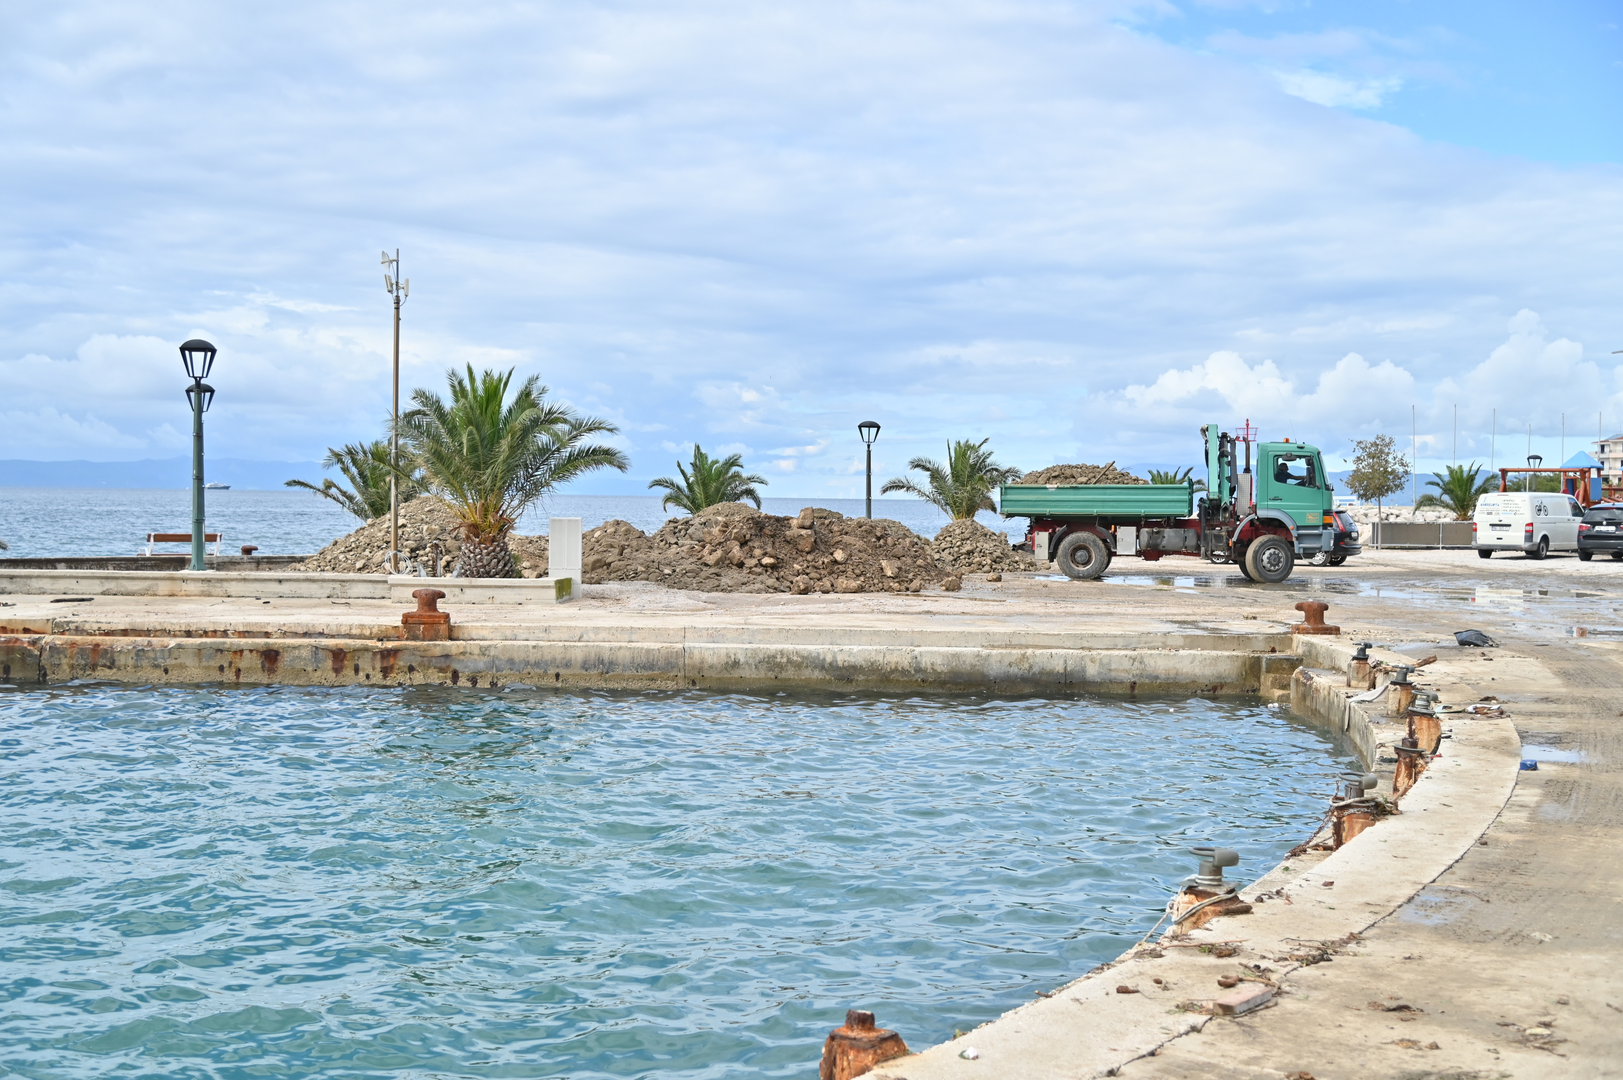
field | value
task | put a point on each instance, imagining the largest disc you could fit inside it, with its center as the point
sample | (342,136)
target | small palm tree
(713,480)
(490,456)
(962,487)
(1173,476)
(366,467)
(1458,490)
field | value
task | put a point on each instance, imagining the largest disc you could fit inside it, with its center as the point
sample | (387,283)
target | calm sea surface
(114,521)
(291,883)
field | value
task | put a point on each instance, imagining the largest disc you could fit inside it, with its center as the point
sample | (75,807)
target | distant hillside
(167,473)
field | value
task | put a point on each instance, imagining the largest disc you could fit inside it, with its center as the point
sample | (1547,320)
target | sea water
(290,882)
(41,522)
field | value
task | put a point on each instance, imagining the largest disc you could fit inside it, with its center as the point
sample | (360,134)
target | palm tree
(1173,476)
(366,467)
(490,456)
(713,480)
(960,488)
(1457,490)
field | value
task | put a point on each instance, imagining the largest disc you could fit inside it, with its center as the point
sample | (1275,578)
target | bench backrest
(180,538)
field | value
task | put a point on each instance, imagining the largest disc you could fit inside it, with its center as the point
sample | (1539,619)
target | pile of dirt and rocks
(1081,474)
(971,548)
(734,548)
(429,533)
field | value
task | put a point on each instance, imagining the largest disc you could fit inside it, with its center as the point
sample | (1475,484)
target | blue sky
(1078,229)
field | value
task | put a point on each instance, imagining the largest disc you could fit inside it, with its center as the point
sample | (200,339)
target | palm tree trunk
(485,560)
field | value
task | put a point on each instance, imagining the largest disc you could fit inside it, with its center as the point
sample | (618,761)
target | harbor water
(427,882)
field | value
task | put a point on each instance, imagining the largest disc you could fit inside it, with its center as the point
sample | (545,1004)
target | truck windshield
(1295,469)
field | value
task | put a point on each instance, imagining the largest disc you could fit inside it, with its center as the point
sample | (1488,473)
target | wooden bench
(180,538)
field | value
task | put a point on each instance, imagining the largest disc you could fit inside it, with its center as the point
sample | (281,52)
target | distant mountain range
(155,473)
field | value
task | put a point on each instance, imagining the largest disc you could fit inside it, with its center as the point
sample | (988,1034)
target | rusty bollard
(1411,763)
(1424,727)
(1313,618)
(1359,674)
(857,1047)
(249,549)
(1400,692)
(1354,810)
(428,622)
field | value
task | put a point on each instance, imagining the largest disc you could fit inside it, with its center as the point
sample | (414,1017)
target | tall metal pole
(197,482)
(394,437)
(870,481)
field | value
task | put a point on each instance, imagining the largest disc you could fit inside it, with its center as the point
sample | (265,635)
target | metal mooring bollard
(428,622)
(1411,763)
(1205,894)
(1424,727)
(1400,692)
(1354,810)
(1313,619)
(857,1047)
(1359,675)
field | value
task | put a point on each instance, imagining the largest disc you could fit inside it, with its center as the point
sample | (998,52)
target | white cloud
(1338,91)
(752,223)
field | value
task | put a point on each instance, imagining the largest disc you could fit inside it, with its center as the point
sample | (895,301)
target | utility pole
(399,289)
(1456,434)
(1414,463)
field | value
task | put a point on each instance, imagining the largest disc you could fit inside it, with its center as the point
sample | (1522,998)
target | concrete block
(564,553)
(1242,999)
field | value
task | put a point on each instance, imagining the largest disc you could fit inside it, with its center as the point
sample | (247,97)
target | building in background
(1609,452)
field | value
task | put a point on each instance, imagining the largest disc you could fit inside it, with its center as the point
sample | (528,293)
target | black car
(1346,533)
(1601,531)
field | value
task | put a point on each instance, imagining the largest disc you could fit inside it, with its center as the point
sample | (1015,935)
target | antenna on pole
(398,288)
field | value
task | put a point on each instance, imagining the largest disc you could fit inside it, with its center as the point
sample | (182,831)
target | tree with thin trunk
(366,467)
(1457,490)
(712,481)
(962,486)
(1378,470)
(490,456)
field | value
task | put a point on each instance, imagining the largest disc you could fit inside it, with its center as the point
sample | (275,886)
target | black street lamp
(198,356)
(869,432)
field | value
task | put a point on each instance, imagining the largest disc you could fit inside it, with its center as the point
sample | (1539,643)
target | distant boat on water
(216,486)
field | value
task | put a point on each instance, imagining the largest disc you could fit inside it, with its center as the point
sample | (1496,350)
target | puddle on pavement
(1550,753)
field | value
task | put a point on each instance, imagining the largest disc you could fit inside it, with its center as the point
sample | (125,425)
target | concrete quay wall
(741,659)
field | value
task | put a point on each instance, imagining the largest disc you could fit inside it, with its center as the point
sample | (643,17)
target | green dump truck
(1263,521)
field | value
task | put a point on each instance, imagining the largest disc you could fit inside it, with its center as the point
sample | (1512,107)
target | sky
(1080,230)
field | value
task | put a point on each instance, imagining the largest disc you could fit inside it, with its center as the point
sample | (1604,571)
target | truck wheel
(1082,556)
(1541,549)
(1239,562)
(1484,553)
(1269,559)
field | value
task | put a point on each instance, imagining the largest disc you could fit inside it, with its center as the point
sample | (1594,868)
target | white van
(1531,521)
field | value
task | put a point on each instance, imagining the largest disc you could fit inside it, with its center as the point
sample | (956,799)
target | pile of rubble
(971,548)
(734,548)
(430,536)
(1081,474)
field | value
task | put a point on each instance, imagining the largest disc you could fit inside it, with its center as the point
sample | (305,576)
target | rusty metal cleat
(857,1047)
(428,622)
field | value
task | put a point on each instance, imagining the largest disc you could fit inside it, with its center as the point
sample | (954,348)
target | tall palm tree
(490,456)
(1173,476)
(366,467)
(1458,490)
(960,488)
(713,480)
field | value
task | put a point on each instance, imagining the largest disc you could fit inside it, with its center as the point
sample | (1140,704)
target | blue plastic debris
(1529,764)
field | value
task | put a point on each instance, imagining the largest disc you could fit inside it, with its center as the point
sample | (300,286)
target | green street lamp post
(869,432)
(198,356)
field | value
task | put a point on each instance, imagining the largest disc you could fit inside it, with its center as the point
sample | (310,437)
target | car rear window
(1604,517)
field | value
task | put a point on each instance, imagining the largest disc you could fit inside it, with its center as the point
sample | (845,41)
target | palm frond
(712,481)
(962,486)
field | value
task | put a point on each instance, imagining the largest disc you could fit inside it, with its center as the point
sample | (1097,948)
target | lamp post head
(1535,460)
(869,431)
(200,392)
(198,356)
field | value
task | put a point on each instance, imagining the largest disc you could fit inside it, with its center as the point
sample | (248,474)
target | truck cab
(1290,487)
